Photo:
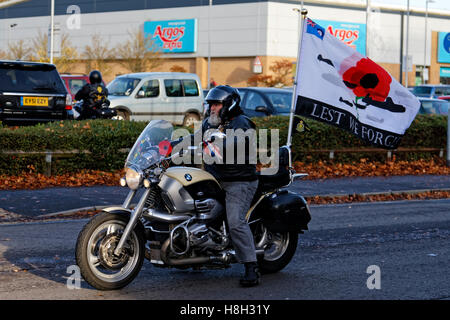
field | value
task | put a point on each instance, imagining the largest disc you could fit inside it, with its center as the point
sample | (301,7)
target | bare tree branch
(17,50)
(139,53)
(68,57)
(97,54)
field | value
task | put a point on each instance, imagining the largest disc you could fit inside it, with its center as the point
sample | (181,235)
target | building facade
(234,40)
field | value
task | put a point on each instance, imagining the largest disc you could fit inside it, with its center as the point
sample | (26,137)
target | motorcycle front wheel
(279,248)
(95,257)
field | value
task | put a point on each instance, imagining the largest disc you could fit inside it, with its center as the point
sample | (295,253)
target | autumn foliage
(318,170)
(282,75)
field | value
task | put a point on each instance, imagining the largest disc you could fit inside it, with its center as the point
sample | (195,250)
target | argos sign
(352,34)
(173,35)
(444,47)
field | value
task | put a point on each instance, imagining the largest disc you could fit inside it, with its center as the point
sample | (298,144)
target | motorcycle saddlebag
(288,212)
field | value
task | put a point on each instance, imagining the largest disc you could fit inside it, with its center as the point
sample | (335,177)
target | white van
(173,96)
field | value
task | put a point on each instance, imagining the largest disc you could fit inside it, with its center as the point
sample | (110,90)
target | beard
(214,119)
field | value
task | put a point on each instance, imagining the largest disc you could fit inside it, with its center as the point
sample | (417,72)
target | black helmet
(230,99)
(95,77)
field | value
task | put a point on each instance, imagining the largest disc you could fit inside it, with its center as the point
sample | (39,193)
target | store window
(445,75)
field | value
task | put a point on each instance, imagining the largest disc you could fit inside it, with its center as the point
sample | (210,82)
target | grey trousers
(238,197)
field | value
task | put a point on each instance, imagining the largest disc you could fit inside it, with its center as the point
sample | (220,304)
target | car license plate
(34,101)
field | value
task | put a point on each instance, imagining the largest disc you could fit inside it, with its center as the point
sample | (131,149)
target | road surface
(406,240)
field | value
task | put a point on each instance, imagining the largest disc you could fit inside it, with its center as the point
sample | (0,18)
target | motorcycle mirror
(262,109)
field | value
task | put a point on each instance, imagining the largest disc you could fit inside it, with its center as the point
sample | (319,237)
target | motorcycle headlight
(133,178)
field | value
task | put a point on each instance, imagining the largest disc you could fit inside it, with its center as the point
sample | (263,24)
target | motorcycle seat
(275,181)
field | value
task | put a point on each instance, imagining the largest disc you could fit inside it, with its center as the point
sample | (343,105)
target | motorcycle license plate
(34,101)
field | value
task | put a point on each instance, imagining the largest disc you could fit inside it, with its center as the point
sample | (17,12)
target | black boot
(251,276)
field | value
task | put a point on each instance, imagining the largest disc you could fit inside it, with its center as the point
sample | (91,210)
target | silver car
(433,106)
(173,96)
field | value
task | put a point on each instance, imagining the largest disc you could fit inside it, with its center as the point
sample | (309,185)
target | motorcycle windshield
(150,147)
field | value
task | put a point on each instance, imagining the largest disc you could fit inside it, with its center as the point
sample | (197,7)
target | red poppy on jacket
(165,148)
(368,79)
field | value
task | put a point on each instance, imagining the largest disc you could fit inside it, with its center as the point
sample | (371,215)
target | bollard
(48,164)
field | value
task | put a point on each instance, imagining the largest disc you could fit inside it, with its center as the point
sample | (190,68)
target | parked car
(262,102)
(75,82)
(32,92)
(173,96)
(431,90)
(433,106)
(446,98)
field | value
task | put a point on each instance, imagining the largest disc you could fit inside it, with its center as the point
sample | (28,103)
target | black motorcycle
(95,105)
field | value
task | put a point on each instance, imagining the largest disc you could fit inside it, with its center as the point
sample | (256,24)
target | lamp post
(209,45)
(367,26)
(52,25)
(425,43)
(407,36)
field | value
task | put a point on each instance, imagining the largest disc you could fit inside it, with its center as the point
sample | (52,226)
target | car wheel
(122,115)
(190,119)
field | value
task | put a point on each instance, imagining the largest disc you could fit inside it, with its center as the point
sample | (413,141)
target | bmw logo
(188,177)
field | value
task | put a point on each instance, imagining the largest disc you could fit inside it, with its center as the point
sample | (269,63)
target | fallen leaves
(319,170)
(380,197)
(85,178)
(324,169)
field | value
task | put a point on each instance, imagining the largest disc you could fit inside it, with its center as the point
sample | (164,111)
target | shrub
(104,138)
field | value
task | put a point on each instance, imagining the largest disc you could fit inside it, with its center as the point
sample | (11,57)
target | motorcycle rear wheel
(94,251)
(279,248)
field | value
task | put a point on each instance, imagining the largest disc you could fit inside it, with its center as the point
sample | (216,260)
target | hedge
(104,137)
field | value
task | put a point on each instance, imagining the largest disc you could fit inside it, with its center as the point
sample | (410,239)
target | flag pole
(302,19)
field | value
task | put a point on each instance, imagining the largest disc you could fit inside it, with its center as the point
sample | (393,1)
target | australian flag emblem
(315,29)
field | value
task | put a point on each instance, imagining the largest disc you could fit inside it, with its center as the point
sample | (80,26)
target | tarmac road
(51,200)
(407,240)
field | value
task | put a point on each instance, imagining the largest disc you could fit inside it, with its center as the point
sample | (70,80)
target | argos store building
(236,39)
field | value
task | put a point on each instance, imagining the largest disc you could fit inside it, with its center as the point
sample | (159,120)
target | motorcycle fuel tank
(181,186)
(187,175)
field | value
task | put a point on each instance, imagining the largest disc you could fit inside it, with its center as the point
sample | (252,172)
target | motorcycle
(179,220)
(98,112)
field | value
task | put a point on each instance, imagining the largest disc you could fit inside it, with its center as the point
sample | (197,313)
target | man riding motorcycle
(94,96)
(180,218)
(239,180)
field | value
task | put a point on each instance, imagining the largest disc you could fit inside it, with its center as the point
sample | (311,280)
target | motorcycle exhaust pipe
(186,261)
(224,258)
(152,214)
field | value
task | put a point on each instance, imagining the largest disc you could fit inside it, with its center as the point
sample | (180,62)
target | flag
(339,86)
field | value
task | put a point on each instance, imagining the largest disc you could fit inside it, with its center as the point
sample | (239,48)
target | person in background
(212,83)
(93,94)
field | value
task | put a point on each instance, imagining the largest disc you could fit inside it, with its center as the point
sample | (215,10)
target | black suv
(32,92)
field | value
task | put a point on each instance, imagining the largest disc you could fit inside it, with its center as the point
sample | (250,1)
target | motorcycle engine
(203,237)
(198,234)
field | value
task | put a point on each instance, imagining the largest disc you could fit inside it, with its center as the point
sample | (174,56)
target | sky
(437,4)
(417,4)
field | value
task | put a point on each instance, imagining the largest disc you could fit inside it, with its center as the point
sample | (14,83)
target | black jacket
(235,172)
(92,95)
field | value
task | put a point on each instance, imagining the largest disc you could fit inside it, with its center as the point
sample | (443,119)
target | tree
(139,53)
(282,75)
(17,50)
(177,68)
(97,54)
(68,56)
